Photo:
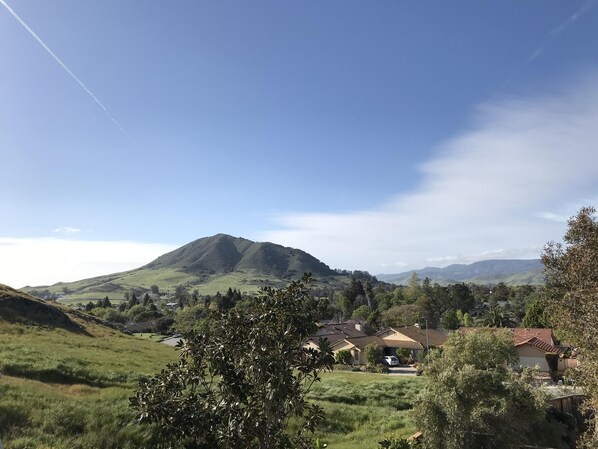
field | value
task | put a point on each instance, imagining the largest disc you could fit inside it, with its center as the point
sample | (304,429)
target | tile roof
(540,344)
(522,334)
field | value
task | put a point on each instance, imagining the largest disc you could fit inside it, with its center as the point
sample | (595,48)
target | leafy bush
(372,354)
(343,357)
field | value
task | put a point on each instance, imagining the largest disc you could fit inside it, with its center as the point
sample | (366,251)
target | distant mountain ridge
(509,271)
(223,253)
(208,264)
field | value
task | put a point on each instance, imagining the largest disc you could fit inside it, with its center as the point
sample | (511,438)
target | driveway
(402,370)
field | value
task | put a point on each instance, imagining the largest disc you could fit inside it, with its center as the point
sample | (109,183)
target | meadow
(60,389)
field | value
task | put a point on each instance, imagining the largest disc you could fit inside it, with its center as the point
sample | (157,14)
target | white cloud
(501,184)
(67,230)
(45,261)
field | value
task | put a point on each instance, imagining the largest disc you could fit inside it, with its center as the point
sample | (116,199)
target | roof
(521,334)
(540,344)
(425,337)
(347,329)
(537,337)
(361,342)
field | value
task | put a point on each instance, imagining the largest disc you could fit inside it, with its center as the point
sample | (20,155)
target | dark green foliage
(450,320)
(394,443)
(373,354)
(343,357)
(473,400)
(238,383)
(535,315)
(571,297)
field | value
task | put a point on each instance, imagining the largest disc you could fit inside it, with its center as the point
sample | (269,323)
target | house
(532,344)
(356,346)
(335,332)
(350,336)
(413,338)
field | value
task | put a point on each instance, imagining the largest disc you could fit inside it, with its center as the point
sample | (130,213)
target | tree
(155,289)
(473,399)
(239,383)
(496,316)
(343,357)
(450,320)
(372,354)
(361,312)
(405,315)
(571,298)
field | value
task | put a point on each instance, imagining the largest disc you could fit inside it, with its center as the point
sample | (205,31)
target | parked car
(391,360)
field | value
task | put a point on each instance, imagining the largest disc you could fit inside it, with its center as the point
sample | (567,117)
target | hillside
(511,272)
(18,307)
(209,265)
(65,377)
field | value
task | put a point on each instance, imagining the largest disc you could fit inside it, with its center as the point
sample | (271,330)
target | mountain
(511,272)
(209,264)
(223,254)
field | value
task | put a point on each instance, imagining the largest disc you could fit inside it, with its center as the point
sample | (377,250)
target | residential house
(337,331)
(413,338)
(351,337)
(356,346)
(532,344)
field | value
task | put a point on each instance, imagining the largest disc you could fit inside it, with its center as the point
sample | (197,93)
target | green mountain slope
(65,377)
(209,265)
(511,272)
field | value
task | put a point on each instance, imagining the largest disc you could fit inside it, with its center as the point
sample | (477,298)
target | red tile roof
(540,344)
(521,334)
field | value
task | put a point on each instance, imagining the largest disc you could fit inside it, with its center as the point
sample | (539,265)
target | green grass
(149,336)
(68,387)
(361,409)
(167,279)
(61,389)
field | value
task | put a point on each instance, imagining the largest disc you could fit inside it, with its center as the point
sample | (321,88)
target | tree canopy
(571,296)
(473,399)
(239,382)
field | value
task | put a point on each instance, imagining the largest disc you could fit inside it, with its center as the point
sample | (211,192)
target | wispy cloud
(43,261)
(490,192)
(63,65)
(574,17)
(67,230)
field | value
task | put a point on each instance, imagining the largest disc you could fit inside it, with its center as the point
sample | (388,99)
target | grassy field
(66,379)
(362,408)
(62,390)
(114,286)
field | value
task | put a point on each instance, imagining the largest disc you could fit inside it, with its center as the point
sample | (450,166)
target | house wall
(532,356)
(567,363)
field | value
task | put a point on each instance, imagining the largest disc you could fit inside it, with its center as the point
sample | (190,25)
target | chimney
(358,326)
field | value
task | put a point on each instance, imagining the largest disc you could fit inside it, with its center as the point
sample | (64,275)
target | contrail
(584,9)
(66,69)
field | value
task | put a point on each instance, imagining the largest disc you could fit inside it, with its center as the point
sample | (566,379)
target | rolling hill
(209,265)
(511,272)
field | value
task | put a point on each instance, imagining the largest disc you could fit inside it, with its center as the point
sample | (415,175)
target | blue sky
(379,135)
